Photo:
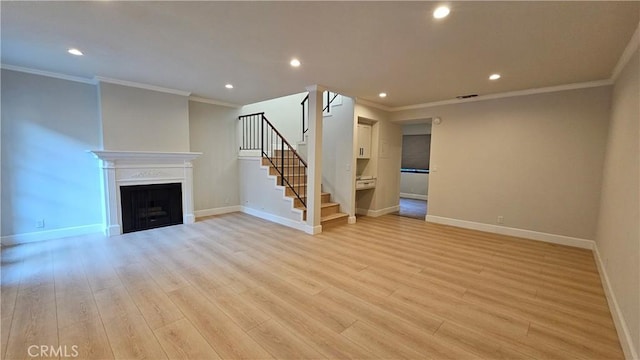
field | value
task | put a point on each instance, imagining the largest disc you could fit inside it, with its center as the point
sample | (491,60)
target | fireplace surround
(128,168)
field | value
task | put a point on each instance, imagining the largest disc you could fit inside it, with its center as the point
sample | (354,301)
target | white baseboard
(51,234)
(616,313)
(250,154)
(413,196)
(527,234)
(376,213)
(282,221)
(217,211)
(313,230)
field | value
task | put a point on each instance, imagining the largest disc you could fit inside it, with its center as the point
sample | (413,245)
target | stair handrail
(305,111)
(253,125)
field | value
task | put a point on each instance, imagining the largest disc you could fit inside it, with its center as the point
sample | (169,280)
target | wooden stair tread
(294,184)
(305,196)
(333,217)
(323,205)
(329,204)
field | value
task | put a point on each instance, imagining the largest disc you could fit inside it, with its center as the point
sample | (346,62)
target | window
(415,153)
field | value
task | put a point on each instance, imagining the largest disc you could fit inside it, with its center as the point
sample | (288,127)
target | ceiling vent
(466,96)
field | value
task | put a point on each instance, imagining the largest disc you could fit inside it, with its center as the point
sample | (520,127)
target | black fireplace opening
(150,206)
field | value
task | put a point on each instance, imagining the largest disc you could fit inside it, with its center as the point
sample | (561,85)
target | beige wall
(48,125)
(337,155)
(414,185)
(536,160)
(386,153)
(135,119)
(285,113)
(618,237)
(212,131)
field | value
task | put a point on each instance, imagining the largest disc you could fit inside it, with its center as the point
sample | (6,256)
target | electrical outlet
(40,224)
(500,219)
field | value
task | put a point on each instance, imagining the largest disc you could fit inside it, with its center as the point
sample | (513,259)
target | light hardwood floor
(237,287)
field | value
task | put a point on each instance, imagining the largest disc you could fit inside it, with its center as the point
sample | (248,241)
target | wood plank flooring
(238,287)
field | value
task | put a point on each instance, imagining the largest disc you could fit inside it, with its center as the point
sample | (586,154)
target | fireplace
(150,206)
(124,171)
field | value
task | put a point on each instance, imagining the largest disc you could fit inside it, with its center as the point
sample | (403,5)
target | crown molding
(212,102)
(549,89)
(47,74)
(631,48)
(373,104)
(141,86)
(316,87)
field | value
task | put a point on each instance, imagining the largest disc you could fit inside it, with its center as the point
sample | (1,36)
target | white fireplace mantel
(124,168)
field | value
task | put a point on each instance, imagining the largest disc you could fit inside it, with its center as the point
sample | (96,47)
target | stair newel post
(262,136)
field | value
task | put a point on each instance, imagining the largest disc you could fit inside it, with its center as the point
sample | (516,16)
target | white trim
(376,213)
(217,211)
(188,218)
(282,221)
(141,86)
(372,104)
(628,52)
(250,154)
(113,230)
(212,102)
(48,74)
(549,89)
(109,155)
(313,230)
(51,234)
(316,87)
(616,313)
(413,196)
(522,233)
(123,168)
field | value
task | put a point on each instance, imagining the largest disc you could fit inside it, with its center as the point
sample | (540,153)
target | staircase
(330,214)
(287,166)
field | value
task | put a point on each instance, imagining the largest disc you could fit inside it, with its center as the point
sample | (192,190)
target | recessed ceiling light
(74,51)
(229,86)
(494,77)
(295,62)
(383,95)
(441,12)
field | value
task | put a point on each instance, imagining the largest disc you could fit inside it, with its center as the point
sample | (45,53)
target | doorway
(414,171)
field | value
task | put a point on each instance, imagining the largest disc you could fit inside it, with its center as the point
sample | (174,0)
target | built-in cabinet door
(364,141)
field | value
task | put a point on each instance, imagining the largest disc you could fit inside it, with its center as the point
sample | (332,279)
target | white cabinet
(364,141)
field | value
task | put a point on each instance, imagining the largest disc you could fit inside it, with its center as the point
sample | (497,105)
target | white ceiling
(357,48)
